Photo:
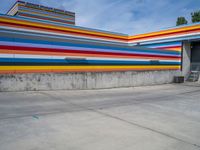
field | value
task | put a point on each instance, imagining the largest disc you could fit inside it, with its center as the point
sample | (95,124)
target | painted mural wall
(35,38)
(28,46)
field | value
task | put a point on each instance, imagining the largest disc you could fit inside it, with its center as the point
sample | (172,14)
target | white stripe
(65,57)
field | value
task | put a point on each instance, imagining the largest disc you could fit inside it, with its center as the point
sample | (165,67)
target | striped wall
(29,45)
(30,54)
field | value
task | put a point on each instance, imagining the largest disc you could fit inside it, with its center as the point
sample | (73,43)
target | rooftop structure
(42,13)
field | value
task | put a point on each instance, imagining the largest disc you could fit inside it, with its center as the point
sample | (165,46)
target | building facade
(35,39)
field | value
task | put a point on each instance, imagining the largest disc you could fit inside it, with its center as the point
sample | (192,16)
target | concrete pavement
(164,117)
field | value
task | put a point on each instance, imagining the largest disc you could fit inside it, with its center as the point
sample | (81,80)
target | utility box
(179,79)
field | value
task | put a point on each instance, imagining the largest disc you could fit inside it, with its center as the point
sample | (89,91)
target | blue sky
(125,16)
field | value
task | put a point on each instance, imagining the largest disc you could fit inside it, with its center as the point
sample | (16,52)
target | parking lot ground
(161,117)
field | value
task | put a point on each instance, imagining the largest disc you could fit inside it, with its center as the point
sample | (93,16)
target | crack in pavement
(144,127)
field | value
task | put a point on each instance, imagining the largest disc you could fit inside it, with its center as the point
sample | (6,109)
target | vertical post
(186,58)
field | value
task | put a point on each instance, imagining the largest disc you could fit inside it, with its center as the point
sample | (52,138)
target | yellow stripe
(27,23)
(7,68)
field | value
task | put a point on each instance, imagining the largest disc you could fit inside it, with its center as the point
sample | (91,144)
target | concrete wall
(96,80)
(186,59)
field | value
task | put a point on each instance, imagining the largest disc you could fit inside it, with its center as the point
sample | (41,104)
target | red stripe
(79,51)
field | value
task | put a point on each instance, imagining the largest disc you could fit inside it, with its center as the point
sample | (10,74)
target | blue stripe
(164,44)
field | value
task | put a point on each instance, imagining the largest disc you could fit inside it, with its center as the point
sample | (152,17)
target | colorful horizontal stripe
(44,69)
(174,46)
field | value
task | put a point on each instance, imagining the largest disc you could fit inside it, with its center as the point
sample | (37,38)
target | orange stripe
(173,49)
(80,70)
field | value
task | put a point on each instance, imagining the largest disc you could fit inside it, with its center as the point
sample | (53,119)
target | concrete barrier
(73,81)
